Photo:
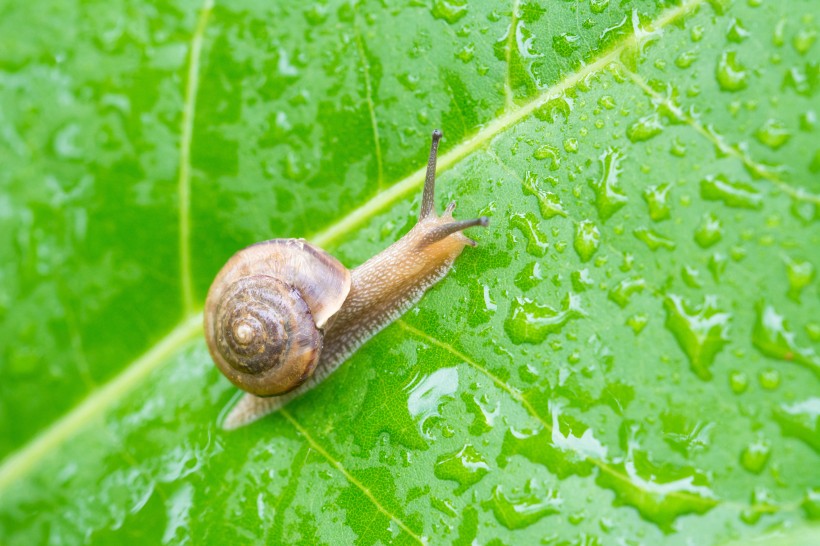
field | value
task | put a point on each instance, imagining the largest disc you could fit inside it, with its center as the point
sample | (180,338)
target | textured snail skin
(380,291)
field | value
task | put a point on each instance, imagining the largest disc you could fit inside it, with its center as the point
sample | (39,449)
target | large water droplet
(532,322)
(731,193)
(609,197)
(700,330)
(547,151)
(656,198)
(731,75)
(522,509)
(773,337)
(737,32)
(465,466)
(587,240)
(528,224)
(428,393)
(709,232)
(548,203)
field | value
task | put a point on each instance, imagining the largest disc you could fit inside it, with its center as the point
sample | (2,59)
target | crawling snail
(283,314)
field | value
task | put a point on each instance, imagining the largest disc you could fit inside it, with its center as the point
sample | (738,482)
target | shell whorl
(265,314)
(265,335)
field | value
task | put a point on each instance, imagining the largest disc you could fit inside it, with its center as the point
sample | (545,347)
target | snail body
(283,314)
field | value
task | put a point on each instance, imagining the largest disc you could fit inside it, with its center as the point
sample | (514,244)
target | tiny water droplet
(581,280)
(739,382)
(587,240)
(773,133)
(804,39)
(691,276)
(536,240)
(685,59)
(731,193)
(622,291)
(656,198)
(731,75)
(606,101)
(769,379)
(800,274)
(701,330)
(653,239)
(565,44)
(571,145)
(645,128)
(755,456)
(737,32)
(598,6)
(709,232)
(638,322)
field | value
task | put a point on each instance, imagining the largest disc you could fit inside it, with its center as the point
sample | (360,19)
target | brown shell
(265,312)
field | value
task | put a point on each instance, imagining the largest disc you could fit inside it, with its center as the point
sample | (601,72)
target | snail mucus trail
(283,314)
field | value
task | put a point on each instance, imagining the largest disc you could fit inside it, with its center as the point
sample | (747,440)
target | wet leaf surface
(629,355)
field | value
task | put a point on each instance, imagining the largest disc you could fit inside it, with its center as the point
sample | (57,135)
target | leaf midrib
(19,463)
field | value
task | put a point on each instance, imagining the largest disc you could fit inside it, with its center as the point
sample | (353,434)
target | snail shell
(266,313)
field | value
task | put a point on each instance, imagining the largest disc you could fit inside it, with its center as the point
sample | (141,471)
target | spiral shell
(265,316)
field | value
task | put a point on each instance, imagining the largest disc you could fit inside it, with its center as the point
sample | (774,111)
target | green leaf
(630,354)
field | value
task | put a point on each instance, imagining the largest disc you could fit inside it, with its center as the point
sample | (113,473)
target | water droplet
(466,53)
(800,274)
(769,379)
(709,232)
(528,224)
(529,277)
(609,197)
(755,456)
(700,330)
(801,420)
(773,133)
(717,265)
(606,101)
(565,44)
(739,382)
(656,198)
(731,75)
(653,239)
(804,39)
(661,493)
(465,466)
(548,203)
(449,10)
(696,34)
(427,393)
(571,145)
(813,330)
(532,322)
(645,128)
(811,504)
(737,32)
(761,504)
(685,435)
(773,337)
(522,509)
(685,59)
(622,291)
(581,280)
(731,193)
(587,240)
(548,152)
(598,6)
(638,322)
(691,277)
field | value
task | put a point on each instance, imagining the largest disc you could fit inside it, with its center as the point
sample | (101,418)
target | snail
(282,315)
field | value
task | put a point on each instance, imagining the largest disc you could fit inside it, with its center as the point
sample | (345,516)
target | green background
(629,355)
